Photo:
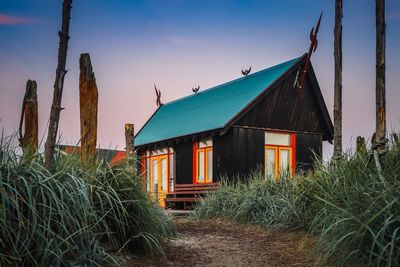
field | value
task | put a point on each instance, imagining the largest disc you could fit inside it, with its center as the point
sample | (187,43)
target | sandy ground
(219,243)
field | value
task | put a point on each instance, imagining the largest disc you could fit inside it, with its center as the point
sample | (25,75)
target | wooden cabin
(260,121)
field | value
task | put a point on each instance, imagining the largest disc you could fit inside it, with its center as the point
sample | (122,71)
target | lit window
(278,139)
(270,161)
(279,158)
(159,172)
(203,159)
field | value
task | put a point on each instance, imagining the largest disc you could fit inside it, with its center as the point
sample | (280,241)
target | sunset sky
(180,44)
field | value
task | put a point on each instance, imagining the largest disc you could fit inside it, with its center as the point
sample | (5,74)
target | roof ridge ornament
(313,47)
(246,72)
(158,94)
(196,89)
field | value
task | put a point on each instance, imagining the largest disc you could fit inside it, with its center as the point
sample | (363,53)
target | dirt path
(217,243)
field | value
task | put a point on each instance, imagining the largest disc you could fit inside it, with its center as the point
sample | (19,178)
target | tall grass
(350,209)
(257,200)
(354,211)
(75,215)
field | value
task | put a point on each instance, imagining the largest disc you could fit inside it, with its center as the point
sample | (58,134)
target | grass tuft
(76,215)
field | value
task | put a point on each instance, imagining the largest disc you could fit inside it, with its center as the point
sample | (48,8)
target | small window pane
(205,143)
(200,168)
(278,139)
(164,175)
(270,162)
(284,161)
(154,174)
(159,151)
(209,165)
(148,174)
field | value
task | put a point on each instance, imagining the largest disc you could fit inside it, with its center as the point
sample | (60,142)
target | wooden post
(58,86)
(337,108)
(360,144)
(130,146)
(29,140)
(380,71)
(88,103)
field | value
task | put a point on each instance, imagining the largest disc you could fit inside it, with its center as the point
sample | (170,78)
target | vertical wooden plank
(380,70)
(306,146)
(223,155)
(337,107)
(88,103)
(184,163)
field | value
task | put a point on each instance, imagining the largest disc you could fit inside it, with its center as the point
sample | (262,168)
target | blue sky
(179,44)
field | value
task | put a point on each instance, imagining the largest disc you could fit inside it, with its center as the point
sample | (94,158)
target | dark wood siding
(308,146)
(249,149)
(286,108)
(222,156)
(184,163)
(238,152)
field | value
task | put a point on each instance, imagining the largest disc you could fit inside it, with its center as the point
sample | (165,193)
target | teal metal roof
(209,109)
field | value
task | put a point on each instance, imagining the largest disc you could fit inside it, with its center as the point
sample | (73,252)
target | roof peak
(235,80)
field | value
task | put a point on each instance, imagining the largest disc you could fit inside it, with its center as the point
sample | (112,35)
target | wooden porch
(185,195)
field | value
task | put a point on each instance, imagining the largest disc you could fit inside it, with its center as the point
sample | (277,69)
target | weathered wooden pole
(88,103)
(360,145)
(29,139)
(130,146)
(380,71)
(58,86)
(337,107)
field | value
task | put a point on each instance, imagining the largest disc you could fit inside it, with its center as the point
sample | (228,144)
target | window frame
(205,150)
(292,153)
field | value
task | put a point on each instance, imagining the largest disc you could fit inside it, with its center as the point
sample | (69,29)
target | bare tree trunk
(88,102)
(58,85)
(29,140)
(337,108)
(130,146)
(380,71)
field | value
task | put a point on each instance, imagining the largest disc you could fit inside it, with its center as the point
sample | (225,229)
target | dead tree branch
(58,85)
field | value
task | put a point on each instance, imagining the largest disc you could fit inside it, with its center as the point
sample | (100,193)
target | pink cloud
(13,20)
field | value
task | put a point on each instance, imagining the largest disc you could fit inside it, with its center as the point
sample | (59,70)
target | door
(159,178)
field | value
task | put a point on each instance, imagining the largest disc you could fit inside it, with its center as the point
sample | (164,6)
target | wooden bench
(189,193)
